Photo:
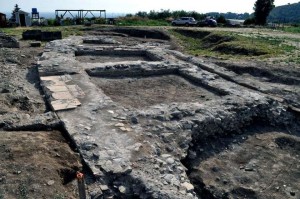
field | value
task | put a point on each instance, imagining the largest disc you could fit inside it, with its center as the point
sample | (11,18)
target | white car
(185,21)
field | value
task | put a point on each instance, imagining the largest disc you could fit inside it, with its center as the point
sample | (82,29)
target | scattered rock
(87,128)
(177,115)
(165,155)
(134,120)
(17,172)
(119,125)
(170,160)
(192,154)
(249,167)
(96,194)
(50,182)
(122,189)
(104,187)
(169,177)
(188,186)
(293,193)
(123,129)
(8,41)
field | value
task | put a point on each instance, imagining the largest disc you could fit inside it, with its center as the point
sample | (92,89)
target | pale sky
(133,6)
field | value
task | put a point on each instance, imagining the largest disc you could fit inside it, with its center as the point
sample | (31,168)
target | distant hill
(229,15)
(286,14)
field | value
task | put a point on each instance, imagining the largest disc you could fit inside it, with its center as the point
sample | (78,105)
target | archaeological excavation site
(140,118)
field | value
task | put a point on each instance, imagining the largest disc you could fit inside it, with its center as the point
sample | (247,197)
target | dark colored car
(208,22)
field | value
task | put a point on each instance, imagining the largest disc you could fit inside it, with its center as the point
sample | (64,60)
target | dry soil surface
(141,92)
(37,165)
(32,164)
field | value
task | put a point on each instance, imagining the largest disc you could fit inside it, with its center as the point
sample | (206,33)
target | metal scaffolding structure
(81,14)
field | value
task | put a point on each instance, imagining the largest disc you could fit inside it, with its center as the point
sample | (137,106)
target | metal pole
(81,185)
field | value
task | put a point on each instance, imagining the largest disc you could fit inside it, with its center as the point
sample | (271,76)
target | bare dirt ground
(35,165)
(19,86)
(32,164)
(261,163)
(103,58)
(141,92)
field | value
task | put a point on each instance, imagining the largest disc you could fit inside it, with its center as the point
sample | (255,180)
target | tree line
(165,14)
(262,9)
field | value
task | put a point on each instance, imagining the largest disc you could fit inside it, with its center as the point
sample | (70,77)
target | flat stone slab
(61,95)
(64,104)
(60,88)
(76,91)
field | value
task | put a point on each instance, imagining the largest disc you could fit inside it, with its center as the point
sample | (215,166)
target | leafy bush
(53,22)
(249,21)
(221,19)
(99,21)
(167,14)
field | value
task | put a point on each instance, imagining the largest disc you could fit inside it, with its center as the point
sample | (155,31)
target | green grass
(23,190)
(229,45)
(66,30)
(292,29)
(59,196)
(138,21)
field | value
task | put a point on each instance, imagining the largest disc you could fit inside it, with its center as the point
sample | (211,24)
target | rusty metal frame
(81,13)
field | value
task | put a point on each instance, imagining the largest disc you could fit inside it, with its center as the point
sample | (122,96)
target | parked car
(185,21)
(208,22)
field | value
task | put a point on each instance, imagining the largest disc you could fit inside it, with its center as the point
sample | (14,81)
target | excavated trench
(147,91)
(111,55)
(131,32)
(231,165)
(235,141)
(211,140)
(277,75)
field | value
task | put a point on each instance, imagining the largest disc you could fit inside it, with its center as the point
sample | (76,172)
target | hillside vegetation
(230,45)
(286,14)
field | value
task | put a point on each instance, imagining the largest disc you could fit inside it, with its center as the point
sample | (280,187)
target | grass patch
(138,21)
(237,48)
(23,191)
(292,29)
(59,196)
(228,45)
(66,30)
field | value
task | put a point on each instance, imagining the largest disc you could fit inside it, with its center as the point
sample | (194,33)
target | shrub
(249,21)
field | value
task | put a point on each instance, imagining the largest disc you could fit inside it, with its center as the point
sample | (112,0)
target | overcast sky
(133,6)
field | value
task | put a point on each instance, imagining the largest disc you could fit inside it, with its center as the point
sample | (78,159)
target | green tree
(249,21)
(221,19)
(13,14)
(262,8)
(142,14)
